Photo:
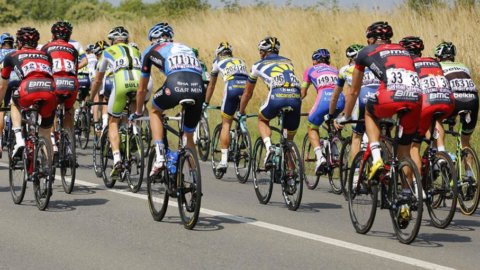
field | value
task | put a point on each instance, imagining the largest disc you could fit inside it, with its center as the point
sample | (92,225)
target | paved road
(99,228)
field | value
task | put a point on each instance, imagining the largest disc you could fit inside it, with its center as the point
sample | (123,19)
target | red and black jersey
(391,64)
(64,57)
(431,75)
(27,63)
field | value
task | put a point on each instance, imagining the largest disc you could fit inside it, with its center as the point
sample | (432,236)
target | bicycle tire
(360,193)
(136,162)
(157,191)
(441,190)
(42,168)
(189,190)
(292,184)
(345,166)
(67,152)
(17,171)
(106,157)
(333,161)
(203,138)
(262,179)
(309,160)
(216,151)
(97,155)
(243,156)
(406,230)
(468,186)
(85,128)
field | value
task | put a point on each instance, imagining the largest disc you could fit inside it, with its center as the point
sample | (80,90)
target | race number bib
(433,83)
(463,85)
(35,67)
(401,79)
(370,79)
(326,80)
(182,61)
(65,65)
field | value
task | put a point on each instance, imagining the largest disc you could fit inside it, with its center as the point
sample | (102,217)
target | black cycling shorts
(467,101)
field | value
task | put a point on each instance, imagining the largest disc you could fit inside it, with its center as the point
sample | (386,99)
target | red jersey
(27,63)
(64,57)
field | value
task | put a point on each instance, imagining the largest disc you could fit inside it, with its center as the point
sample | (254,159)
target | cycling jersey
(124,62)
(34,68)
(464,92)
(369,88)
(79,48)
(399,85)
(234,73)
(284,89)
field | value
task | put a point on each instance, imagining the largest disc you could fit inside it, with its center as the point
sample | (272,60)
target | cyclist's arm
(352,95)
(211,88)
(3,88)
(5,76)
(334,99)
(83,63)
(247,95)
(142,91)
(303,91)
(96,84)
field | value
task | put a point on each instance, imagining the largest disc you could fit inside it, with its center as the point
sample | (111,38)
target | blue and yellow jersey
(276,71)
(231,68)
(345,76)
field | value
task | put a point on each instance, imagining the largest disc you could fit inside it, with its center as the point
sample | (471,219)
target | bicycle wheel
(42,176)
(440,187)
(345,161)
(243,156)
(189,188)
(68,162)
(406,212)
(106,156)
(309,159)
(262,179)
(157,191)
(18,174)
(292,187)
(362,197)
(468,182)
(84,135)
(135,161)
(333,160)
(203,138)
(216,151)
(97,155)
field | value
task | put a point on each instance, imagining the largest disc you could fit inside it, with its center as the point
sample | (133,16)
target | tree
(8,13)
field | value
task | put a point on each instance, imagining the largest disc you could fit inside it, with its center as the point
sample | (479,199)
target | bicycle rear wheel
(157,190)
(189,188)
(106,157)
(243,156)
(292,187)
(83,135)
(333,160)
(203,138)
(18,174)
(216,152)
(136,161)
(262,179)
(42,173)
(469,181)
(309,162)
(406,213)
(345,162)
(68,164)
(441,190)
(362,197)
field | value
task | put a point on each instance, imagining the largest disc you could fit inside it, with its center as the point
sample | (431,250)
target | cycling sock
(224,156)
(376,151)
(469,173)
(159,147)
(18,135)
(104,120)
(441,148)
(267,143)
(318,152)
(52,138)
(116,157)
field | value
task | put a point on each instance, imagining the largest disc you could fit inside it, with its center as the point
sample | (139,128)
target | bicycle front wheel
(84,129)
(136,161)
(292,187)
(68,162)
(42,173)
(334,174)
(242,156)
(262,178)
(203,138)
(345,162)
(469,181)
(106,157)
(18,174)
(97,155)
(309,161)
(157,190)
(189,188)
(406,211)
(216,152)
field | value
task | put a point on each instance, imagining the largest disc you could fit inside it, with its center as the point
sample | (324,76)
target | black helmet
(62,30)
(414,45)
(99,47)
(28,36)
(380,30)
(445,50)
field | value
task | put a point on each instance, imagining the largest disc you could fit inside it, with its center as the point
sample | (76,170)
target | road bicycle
(82,125)
(97,134)
(201,136)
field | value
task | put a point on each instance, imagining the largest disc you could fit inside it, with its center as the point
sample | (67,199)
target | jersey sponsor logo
(66,84)
(401,95)
(61,48)
(388,53)
(464,96)
(32,55)
(131,84)
(39,85)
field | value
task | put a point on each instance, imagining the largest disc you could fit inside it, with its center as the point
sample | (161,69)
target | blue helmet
(159,30)
(320,54)
(6,37)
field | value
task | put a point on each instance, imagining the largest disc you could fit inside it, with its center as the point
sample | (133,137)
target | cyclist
(183,80)
(464,92)
(98,49)
(6,43)
(323,76)
(85,74)
(205,74)
(284,90)
(125,64)
(34,68)
(234,71)
(399,88)
(370,85)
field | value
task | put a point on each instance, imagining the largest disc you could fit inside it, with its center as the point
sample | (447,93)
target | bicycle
(286,169)
(331,146)
(468,168)
(7,129)
(180,179)
(239,150)
(97,157)
(131,149)
(82,125)
(34,163)
(201,136)
(405,208)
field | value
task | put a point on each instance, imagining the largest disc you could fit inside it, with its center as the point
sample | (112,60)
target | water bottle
(355,177)
(171,157)
(123,138)
(77,111)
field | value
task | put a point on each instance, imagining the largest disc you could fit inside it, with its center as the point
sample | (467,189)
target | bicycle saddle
(187,102)
(131,95)
(287,109)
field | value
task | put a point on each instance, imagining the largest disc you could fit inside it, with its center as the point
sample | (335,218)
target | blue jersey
(170,57)
(3,53)
(276,71)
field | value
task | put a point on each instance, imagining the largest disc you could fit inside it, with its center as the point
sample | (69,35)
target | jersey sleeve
(102,63)
(147,62)
(306,78)
(254,73)
(215,69)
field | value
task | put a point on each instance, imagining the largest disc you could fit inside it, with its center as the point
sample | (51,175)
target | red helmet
(380,30)
(28,36)
(62,30)
(413,44)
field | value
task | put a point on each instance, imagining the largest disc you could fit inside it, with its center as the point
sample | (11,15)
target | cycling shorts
(12,86)
(365,93)
(467,101)
(182,85)
(122,85)
(321,107)
(428,109)
(107,87)
(386,103)
(279,98)
(231,97)
(35,90)
(83,86)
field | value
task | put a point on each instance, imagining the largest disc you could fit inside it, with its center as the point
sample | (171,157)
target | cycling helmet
(90,48)
(414,45)
(352,50)
(380,30)
(445,50)
(269,44)
(223,48)
(62,30)
(6,38)
(321,55)
(28,36)
(135,45)
(118,33)
(99,47)
(159,30)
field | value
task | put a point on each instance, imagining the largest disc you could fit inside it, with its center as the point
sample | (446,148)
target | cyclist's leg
(116,104)
(69,103)
(231,101)
(469,127)
(292,122)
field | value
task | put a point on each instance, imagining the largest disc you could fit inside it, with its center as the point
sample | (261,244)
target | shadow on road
(316,207)
(70,205)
